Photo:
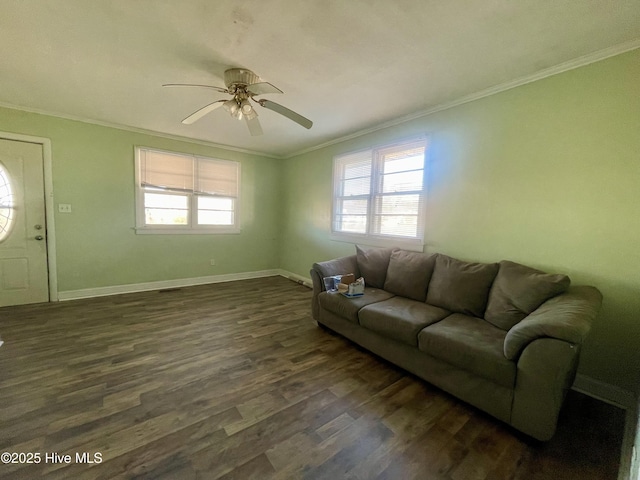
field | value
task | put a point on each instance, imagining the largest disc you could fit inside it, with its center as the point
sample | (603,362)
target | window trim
(372,239)
(191,228)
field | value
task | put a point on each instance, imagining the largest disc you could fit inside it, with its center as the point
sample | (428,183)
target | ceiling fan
(244,86)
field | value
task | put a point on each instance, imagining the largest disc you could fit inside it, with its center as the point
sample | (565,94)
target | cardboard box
(348,279)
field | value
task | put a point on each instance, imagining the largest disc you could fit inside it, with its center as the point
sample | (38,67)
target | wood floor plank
(234,380)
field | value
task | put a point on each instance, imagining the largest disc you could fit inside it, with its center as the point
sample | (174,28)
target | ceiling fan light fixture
(246,107)
(251,115)
(231,106)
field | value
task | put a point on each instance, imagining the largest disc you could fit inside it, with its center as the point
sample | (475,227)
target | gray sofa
(503,337)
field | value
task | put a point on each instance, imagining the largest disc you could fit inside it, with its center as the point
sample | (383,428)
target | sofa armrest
(337,266)
(320,270)
(566,317)
(546,370)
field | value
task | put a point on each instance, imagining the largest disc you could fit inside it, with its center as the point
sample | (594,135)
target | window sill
(412,244)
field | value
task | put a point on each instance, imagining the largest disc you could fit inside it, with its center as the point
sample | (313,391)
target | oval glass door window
(6,204)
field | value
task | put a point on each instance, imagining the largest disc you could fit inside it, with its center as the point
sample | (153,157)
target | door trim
(48,205)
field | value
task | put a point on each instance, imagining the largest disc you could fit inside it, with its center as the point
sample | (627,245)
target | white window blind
(166,170)
(217,177)
(353,192)
(379,192)
(181,193)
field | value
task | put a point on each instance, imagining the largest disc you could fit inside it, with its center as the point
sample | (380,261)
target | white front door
(23,233)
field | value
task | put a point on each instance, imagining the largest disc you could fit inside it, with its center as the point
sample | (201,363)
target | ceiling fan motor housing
(239,77)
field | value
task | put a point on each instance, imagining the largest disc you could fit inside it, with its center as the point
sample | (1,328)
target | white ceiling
(348,65)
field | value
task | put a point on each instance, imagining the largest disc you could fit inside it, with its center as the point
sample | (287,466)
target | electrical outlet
(212,262)
(64,207)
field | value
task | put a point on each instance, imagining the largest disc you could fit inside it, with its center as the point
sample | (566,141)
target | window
(6,204)
(180,193)
(379,195)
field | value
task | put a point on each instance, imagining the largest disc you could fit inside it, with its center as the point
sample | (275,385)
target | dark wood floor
(235,380)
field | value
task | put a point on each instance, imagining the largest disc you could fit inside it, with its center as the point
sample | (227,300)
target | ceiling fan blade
(217,89)
(198,114)
(262,88)
(255,129)
(290,114)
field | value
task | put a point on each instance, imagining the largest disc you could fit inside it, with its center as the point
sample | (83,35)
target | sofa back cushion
(373,264)
(461,286)
(518,290)
(409,273)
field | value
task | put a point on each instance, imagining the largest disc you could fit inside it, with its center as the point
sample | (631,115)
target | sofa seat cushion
(400,318)
(348,308)
(471,344)
(461,287)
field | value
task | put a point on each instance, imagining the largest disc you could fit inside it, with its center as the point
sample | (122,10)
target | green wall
(546,174)
(93,169)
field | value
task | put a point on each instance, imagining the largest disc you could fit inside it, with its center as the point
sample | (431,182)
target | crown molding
(142,131)
(548,72)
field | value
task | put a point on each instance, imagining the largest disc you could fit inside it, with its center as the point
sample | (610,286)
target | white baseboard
(148,286)
(605,391)
(296,278)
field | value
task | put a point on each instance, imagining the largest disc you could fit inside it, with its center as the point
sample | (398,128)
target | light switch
(64,207)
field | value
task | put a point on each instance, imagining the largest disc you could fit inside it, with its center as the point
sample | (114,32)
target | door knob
(39,237)
(38,227)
